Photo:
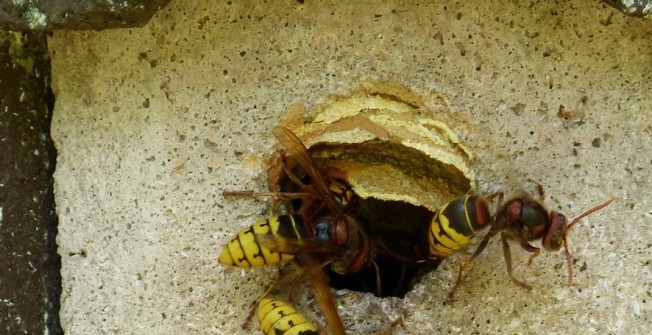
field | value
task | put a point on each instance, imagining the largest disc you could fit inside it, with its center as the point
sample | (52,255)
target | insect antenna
(590,211)
(569,257)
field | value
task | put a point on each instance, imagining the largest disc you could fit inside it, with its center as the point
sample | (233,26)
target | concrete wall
(152,124)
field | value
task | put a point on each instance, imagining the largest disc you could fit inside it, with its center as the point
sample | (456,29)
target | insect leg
(508,263)
(467,263)
(281,279)
(377,271)
(529,248)
(541,192)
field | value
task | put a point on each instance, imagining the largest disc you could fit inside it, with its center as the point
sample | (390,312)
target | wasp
(244,250)
(521,218)
(278,318)
(453,226)
(456,222)
(319,217)
(321,233)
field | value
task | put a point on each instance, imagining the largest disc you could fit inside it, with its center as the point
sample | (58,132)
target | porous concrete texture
(152,124)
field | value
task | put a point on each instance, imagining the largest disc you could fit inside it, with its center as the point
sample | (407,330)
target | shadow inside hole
(399,234)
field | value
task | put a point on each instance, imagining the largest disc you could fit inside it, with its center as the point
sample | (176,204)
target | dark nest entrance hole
(399,237)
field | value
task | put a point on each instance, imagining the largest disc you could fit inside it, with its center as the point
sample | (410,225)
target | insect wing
(299,152)
(322,292)
(288,245)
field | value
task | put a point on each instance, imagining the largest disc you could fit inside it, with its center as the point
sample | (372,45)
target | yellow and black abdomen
(455,223)
(279,318)
(343,194)
(244,250)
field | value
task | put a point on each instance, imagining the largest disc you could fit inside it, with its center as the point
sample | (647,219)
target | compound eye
(554,236)
(338,199)
(321,230)
(339,232)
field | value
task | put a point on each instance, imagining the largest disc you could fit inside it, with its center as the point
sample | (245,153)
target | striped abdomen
(245,251)
(455,224)
(279,318)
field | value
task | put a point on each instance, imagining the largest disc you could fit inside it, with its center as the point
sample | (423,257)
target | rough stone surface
(76,14)
(30,283)
(154,123)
